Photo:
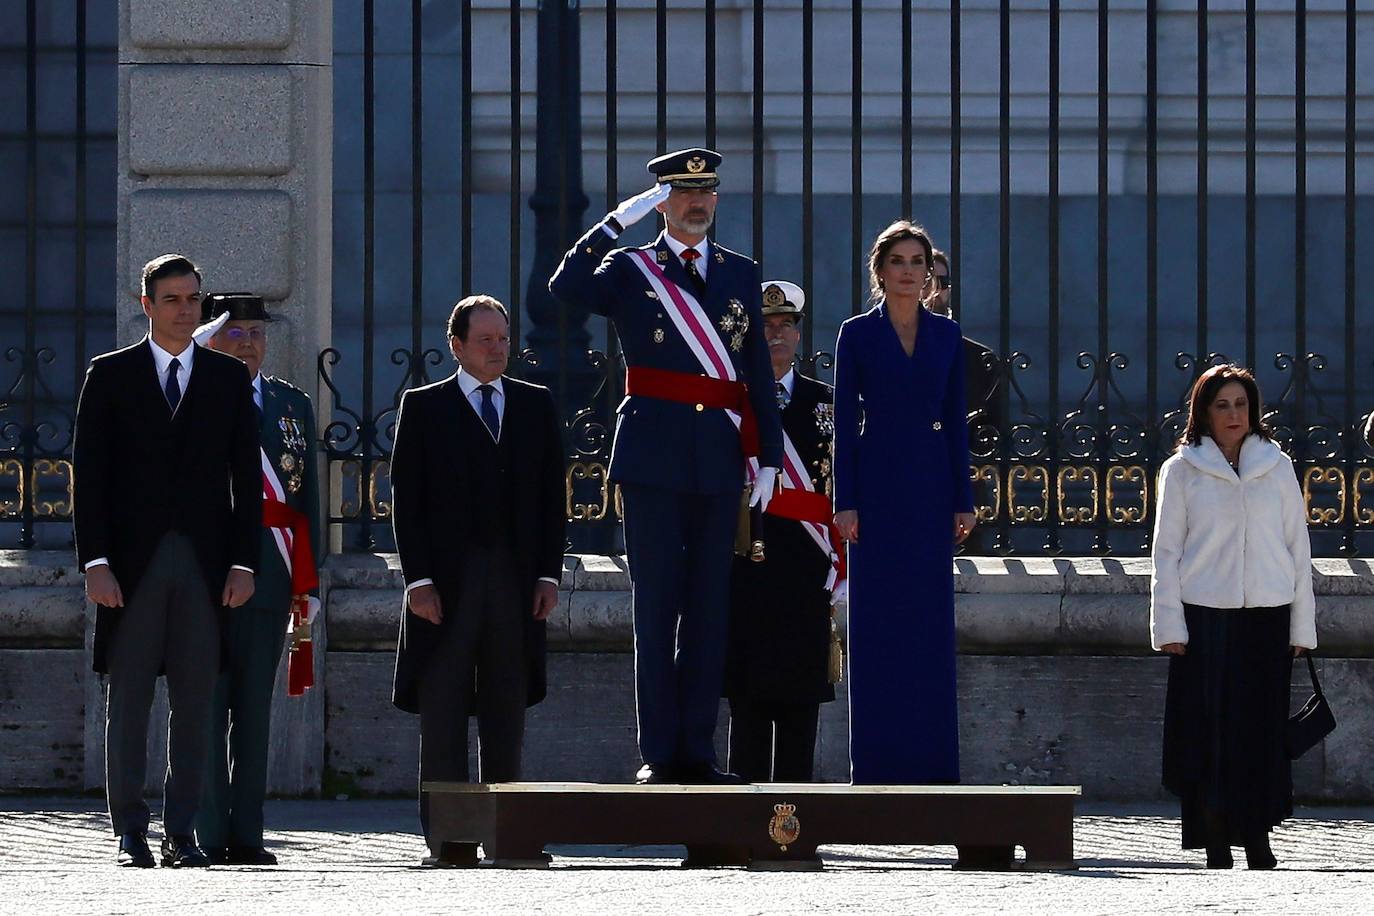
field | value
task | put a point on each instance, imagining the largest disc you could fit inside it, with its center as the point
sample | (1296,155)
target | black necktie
(689,257)
(173,389)
(489,415)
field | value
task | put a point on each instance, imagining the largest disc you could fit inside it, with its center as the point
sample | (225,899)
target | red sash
(300,663)
(687,388)
(810,506)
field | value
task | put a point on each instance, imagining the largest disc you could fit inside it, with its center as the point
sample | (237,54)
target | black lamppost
(558,335)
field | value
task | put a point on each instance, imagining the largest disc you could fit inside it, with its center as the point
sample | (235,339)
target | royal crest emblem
(785,827)
(696,165)
(662,259)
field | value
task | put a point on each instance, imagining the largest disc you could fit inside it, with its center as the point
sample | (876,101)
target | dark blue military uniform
(681,469)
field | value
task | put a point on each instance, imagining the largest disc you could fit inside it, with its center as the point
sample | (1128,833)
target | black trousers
(478,668)
(773,742)
(168,624)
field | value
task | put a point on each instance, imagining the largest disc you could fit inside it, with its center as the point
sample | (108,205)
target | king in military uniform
(229,824)
(781,666)
(698,423)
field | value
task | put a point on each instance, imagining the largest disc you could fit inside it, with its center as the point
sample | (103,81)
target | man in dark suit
(168,503)
(778,672)
(477,508)
(229,826)
(699,402)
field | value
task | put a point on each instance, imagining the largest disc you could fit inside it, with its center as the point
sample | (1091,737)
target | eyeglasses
(238,335)
(945,282)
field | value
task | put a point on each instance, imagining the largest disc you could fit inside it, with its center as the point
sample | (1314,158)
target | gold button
(700,408)
(589,250)
(935,426)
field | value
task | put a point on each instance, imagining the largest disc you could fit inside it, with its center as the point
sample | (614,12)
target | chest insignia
(651,294)
(658,335)
(735,322)
(825,420)
(663,257)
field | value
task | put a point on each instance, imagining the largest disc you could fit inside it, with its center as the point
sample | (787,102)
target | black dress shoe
(249,855)
(1219,857)
(452,855)
(1259,857)
(182,852)
(134,852)
(655,774)
(706,774)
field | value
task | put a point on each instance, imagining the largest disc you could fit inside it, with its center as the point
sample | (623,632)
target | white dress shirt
(257,390)
(468,384)
(788,382)
(678,248)
(162,361)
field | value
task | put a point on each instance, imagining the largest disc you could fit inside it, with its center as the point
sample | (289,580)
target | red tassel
(300,668)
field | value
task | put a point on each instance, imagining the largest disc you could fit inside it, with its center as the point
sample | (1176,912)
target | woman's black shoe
(1219,857)
(1259,857)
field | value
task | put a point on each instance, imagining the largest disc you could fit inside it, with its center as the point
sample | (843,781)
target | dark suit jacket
(452,486)
(780,608)
(140,472)
(664,443)
(288,440)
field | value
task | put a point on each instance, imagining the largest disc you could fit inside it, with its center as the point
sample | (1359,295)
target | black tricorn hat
(239,306)
(687,168)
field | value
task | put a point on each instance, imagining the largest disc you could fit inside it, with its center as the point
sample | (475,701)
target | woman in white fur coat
(1231,603)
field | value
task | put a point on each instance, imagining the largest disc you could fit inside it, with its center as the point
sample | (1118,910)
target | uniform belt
(701,390)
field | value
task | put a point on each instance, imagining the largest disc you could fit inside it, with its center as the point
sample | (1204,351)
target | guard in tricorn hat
(783,659)
(229,825)
(699,403)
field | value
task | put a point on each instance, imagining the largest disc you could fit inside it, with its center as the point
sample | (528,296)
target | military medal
(294,483)
(288,462)
(662,257)
(658,335)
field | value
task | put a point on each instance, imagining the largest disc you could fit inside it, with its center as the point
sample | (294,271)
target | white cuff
(609,231)
(98,561)
(244,568)
(417,583)
(554,582)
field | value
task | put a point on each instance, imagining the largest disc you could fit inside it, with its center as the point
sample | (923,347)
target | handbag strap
(1312,670)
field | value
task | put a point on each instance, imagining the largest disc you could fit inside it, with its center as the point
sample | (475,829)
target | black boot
(1219,857)
(1218,845)
(1258,855)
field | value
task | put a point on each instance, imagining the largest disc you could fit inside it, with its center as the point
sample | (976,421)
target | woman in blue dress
(903,500)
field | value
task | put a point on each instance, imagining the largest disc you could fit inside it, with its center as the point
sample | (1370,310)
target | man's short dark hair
(167,265)
(461,318)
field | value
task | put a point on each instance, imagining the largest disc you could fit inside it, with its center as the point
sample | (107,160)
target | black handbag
(1312,723)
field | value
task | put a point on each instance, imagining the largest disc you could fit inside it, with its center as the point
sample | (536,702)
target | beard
(694,222)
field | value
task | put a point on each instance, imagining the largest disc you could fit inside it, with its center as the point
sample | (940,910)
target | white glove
(202,334)
(641,205)
(763,488)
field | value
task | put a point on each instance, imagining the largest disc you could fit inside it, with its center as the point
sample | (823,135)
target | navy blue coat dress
(901,461)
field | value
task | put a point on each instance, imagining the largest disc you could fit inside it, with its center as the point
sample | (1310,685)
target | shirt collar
(162,359)
(678,248)
(467,383)
(257,385)
(789,381)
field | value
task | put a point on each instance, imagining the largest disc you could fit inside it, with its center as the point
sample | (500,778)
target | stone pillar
(225,155)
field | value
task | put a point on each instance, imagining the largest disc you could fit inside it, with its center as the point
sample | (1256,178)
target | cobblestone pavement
(56,855)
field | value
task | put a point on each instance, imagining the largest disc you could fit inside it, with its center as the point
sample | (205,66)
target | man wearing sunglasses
(229,824)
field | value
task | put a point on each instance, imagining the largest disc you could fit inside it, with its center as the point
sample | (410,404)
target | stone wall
(1057,682)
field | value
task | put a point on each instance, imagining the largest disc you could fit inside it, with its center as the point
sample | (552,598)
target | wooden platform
(765,826)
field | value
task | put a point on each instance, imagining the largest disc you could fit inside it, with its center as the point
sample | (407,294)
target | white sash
(273,490)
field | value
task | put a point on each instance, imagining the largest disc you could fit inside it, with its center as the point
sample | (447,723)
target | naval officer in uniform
(229,824)
(698,423)
(779,666)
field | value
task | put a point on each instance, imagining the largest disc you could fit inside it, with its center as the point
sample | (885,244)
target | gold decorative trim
(1032,475)
(381,508)
(48,467)
(1131,474)
(1363,516)
(587,512)
(1077,515)
(1318,515)
(987,473)
(12,467)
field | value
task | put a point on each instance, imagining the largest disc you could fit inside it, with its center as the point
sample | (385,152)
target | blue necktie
(173,389)
(488,411)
